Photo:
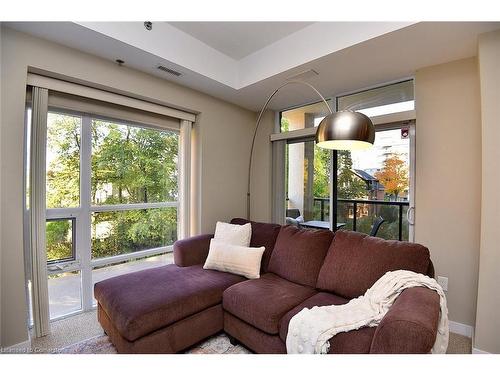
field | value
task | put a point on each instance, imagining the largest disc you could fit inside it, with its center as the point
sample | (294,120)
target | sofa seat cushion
(355,261)
(263,302)
(299,254)
(141,302)
(352,342)
(263,234)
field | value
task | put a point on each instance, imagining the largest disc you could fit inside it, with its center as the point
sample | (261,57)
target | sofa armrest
(410,325)
(192,250)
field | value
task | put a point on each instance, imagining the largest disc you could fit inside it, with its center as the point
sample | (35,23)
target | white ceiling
(347,56)
(239,39)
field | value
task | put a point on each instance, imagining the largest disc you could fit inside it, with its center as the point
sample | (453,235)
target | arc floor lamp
(344,130)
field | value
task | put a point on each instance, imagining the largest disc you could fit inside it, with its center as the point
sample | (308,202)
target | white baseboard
(461,329)
(479,351)
(22,347)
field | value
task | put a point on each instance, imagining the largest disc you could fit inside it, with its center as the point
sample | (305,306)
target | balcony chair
(293,217)
(376,225)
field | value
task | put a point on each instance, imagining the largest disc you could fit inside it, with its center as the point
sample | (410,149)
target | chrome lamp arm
(259,118)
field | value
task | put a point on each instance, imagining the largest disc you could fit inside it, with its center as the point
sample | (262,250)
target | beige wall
(261,183)
(222,133)
(487,332)
(448,178)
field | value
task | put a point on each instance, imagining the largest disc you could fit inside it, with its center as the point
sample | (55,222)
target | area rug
(218,344)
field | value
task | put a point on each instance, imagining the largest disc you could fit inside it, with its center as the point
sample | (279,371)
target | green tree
(285,124)
(63,171)
(321,184)
(58,237)
(349,185)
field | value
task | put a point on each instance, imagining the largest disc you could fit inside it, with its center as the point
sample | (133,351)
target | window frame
(72,258)
(81,215)
(374,87)
(279,140)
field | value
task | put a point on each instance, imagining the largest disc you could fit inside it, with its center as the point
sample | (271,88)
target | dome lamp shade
(345,130)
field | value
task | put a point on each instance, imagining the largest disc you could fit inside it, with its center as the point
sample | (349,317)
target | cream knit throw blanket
(310,329)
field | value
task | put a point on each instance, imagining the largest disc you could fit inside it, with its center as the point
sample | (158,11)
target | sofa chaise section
(168,309)
(141,303)
(173,338)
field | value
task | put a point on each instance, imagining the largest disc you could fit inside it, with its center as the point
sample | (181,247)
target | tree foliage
(393,175)
(63,171)
(350,186)
(59,238)
(322,172)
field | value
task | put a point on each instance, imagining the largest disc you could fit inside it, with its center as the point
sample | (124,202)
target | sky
(388,141)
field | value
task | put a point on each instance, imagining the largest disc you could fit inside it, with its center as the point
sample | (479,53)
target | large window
(112,201)
(372,185)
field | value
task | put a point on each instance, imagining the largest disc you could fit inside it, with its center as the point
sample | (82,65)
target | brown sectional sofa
(168,309)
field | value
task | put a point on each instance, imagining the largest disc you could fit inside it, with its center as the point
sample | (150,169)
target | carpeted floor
(218,344)
(68,331)
(82,334)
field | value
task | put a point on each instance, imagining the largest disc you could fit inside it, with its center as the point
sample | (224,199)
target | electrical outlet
(443,281)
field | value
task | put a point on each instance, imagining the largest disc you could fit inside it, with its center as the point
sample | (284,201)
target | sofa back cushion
(299,254)
(355,261)
(263,234)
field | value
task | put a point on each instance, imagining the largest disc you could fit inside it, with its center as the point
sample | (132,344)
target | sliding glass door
(374,187)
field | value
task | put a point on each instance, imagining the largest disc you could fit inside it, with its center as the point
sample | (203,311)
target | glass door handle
(409,216)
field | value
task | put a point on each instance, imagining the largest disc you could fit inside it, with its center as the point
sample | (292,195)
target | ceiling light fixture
(148,25)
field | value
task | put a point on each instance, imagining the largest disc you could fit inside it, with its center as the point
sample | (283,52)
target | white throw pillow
(233,234)
(240,260)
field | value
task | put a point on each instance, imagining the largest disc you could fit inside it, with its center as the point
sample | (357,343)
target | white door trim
(413,174)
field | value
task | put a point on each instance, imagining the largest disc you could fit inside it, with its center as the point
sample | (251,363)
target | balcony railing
(359,213)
